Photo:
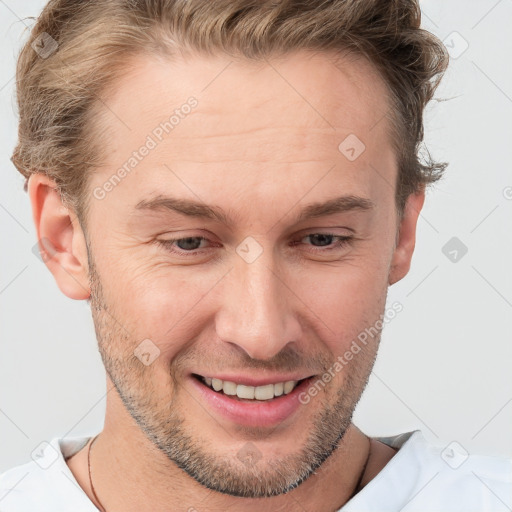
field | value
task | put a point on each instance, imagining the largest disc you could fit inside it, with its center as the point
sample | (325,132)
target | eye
(192,245)
(324,241)
(185,245)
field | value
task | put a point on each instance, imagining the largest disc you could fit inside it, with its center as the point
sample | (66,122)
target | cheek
(172,306)
(163,305)
(345,302)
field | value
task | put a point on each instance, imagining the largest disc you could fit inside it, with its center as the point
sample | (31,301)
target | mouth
(266,405)
(247,393)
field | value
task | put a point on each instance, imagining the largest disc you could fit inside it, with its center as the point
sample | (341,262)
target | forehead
(320,93)
(260,121)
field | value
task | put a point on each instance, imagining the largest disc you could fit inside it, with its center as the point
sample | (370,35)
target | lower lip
(256,413)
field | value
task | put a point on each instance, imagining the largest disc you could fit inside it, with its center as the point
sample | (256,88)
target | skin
(261,144)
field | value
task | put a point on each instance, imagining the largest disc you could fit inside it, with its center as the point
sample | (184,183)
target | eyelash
(168,244)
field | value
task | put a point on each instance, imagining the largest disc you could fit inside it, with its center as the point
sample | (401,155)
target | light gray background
(444,362)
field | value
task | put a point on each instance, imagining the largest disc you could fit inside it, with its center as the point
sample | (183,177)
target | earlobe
(406,239)
(60,237)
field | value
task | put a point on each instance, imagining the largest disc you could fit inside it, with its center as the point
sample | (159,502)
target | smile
(266,392)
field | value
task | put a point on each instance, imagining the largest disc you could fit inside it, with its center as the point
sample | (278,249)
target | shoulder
(438,476)
(46,482)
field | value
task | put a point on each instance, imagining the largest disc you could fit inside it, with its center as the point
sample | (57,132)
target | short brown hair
(59,96)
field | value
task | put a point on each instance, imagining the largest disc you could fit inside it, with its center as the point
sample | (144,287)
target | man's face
(260,295)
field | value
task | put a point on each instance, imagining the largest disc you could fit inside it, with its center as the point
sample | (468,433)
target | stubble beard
(161,420)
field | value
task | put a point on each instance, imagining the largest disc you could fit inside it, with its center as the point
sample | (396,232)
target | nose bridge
(256,311)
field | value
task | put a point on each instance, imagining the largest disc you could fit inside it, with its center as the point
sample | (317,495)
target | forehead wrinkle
(259,145)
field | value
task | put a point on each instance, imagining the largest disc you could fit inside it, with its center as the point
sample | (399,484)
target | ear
(60,237)
(406,238)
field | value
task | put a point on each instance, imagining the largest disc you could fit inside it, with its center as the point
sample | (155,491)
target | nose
(257,309)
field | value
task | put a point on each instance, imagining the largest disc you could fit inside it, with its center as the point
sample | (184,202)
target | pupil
(322,237)
(187,243)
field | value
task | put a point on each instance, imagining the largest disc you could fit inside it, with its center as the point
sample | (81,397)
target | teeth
(245,391)
(279,388)
(266,392)
(217,384)
(229,388)
(288,386)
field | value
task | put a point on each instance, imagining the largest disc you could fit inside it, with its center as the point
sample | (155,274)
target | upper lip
(248,380)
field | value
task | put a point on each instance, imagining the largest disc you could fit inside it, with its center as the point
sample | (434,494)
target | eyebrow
(203,211)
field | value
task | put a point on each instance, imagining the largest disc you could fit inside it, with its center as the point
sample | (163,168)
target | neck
(152,482)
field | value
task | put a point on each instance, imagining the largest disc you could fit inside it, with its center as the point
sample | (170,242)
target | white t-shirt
(420,477)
